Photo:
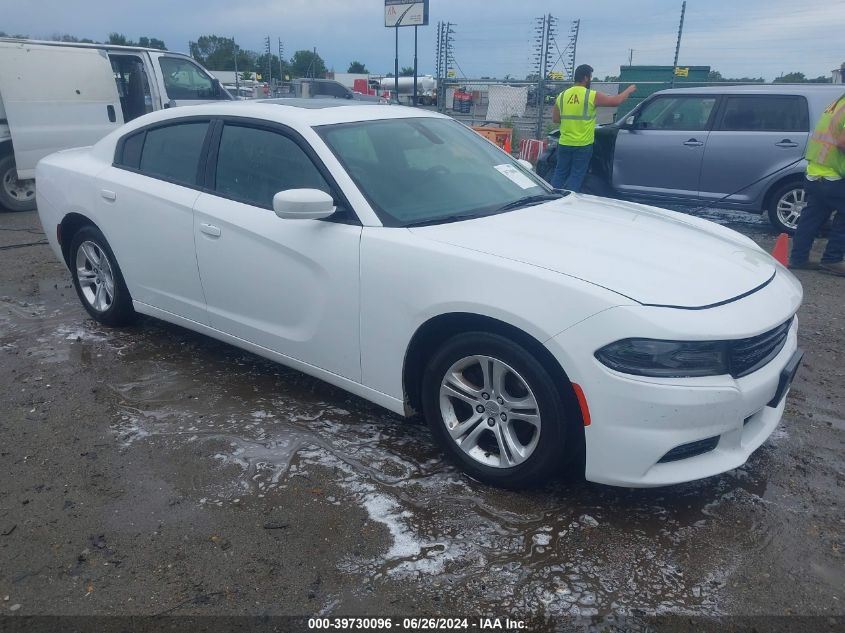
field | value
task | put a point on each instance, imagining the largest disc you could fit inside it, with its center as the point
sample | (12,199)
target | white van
(56,95)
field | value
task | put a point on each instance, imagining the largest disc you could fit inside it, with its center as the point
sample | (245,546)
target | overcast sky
(492,37)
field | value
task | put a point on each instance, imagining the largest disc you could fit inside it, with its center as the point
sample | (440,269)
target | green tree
(306,63)
(152,42)
(407,71)
(218,53)
(63,37)
(358,68)
(715,75)
(261,67)
(119,39)
(791,78)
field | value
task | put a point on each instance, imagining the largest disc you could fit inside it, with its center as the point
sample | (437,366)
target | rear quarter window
(129,151)
(173,152)
(765,113)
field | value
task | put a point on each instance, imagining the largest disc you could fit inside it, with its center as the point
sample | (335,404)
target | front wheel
(785,206)
(15,194)
(495,410)
(98,280)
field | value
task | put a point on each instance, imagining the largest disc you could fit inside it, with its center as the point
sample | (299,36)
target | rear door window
(254,164)
(677,113)
(173,152)
(765,113)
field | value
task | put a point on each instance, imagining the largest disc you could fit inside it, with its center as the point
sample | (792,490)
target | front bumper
(636,421)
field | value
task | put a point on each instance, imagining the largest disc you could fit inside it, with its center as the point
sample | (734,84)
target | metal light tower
(281,57)
(678,45)
(269,61)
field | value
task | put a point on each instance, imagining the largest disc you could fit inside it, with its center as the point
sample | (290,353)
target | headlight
(666,359)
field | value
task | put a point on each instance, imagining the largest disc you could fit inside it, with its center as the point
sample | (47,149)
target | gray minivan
(738,147)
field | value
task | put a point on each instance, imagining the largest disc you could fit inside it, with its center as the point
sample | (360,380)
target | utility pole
(281,56)
(269,62)
(678,45)
(237,77)
(545,39)
(444,56)
(630,57)
(438,65)
(573,45)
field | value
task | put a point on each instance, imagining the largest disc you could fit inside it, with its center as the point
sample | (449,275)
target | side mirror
(303,204)
(525,164)
(628,123)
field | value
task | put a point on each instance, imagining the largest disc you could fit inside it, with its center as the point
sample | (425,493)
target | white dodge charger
(397,254)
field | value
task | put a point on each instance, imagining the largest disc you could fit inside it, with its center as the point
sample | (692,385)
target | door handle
(693,143)
(786,143)
(210,229)
(108,195)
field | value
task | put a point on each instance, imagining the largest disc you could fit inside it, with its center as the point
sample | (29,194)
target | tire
(15,194)
(536,430)
(785,204)
(98,280)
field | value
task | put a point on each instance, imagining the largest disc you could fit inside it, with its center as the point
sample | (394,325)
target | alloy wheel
(490,411)
(96,279)
(790,205)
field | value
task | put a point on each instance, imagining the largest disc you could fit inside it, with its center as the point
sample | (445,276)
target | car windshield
(428,170)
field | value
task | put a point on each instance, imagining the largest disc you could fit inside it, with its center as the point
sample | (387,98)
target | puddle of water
(572,548)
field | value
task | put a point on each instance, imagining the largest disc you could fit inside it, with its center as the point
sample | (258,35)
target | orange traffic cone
(781,250)
(507,146)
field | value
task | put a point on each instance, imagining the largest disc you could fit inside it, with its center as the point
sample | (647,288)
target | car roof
(294,112)
(120,47)
(769,89)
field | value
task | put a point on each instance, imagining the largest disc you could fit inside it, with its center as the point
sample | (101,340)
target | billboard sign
(405,13)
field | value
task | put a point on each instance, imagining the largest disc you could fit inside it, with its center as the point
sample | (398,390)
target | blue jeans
(572,165)
(823,197)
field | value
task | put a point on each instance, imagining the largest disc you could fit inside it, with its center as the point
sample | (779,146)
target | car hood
(652,256)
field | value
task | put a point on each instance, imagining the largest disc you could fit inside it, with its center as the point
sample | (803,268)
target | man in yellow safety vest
(575,111)
(825,188)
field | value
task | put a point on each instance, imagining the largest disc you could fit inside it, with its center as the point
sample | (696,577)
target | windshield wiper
(446,219)
(527,201)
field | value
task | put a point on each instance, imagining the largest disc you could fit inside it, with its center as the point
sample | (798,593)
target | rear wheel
(495,410)
(15,194)
(98,280)
(785,206)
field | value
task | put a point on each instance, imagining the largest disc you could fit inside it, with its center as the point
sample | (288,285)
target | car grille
(747,355)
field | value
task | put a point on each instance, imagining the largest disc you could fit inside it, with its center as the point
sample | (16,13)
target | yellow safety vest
(824,158)
(577,107)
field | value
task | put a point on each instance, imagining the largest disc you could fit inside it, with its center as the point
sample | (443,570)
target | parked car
(738,147)
(57,95)
(395,253)
(329,89)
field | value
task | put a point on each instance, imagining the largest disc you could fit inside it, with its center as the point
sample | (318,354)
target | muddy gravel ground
(150,470)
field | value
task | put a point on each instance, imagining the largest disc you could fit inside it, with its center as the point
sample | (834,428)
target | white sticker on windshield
(515,176)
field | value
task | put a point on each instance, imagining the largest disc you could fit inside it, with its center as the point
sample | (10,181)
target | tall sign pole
(678,45)
(396,64)
(237,78)
(415,65)
(405,13)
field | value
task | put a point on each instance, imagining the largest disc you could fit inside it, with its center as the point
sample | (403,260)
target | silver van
(738,147)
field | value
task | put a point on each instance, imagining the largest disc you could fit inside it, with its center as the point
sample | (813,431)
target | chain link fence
(520,106)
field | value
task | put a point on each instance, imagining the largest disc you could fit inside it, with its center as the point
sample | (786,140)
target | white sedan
(397,254)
